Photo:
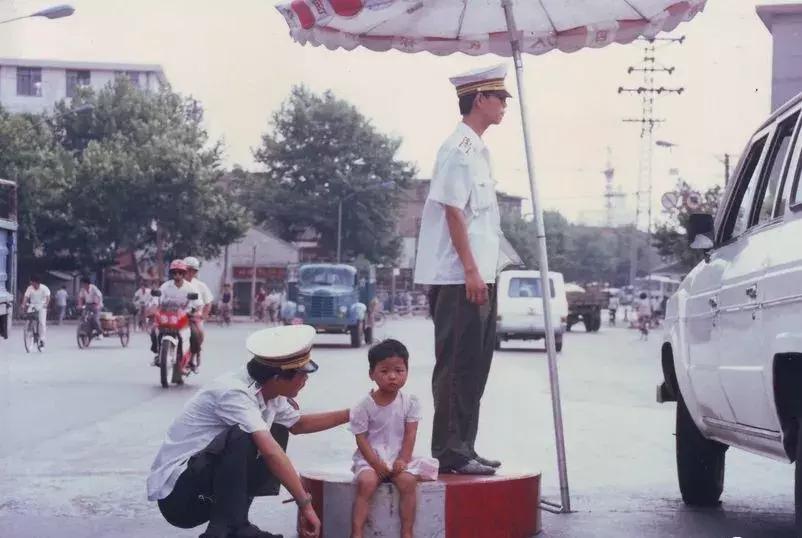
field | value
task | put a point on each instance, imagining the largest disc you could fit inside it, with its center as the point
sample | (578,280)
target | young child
(385,424)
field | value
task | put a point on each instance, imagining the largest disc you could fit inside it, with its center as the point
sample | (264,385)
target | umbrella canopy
(478,27)
(504,28)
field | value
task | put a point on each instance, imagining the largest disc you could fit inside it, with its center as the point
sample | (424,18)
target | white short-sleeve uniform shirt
(204,293)
(37,297)
(231,399)
(462,178)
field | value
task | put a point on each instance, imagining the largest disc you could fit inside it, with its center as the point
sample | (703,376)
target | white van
(520,307)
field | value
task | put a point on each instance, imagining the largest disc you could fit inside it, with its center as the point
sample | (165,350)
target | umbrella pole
(543,262)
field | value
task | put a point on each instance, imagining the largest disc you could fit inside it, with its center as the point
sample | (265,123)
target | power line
(648,91)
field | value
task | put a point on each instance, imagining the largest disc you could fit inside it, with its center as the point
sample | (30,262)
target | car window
(773,170)
(527,287)
(737,219)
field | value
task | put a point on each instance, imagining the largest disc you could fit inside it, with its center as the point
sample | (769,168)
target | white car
(520,307)
(732,355)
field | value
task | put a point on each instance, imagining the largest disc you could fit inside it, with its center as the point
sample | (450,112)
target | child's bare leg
(407,485)
(366,483)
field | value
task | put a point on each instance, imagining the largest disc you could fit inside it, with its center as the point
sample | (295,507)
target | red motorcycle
(172,321)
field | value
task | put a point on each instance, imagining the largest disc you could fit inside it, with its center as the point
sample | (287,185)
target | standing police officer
(228,445)
(458,256)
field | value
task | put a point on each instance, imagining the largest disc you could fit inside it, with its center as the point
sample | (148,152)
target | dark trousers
(221,481)
(465,335)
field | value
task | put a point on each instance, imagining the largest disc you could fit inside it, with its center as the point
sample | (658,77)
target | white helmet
(192,263)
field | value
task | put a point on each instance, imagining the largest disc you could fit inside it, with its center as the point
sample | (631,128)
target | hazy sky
(237,58)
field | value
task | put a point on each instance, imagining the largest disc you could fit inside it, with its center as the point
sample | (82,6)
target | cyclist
(204,295)
(36,298)
(141,301)
(91,298)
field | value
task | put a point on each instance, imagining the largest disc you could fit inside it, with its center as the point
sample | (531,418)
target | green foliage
(669,237)
(321,150)
(92,181)
(582,253)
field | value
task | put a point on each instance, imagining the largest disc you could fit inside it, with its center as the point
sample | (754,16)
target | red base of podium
(455,506)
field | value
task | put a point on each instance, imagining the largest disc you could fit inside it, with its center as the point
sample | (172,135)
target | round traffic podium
(455,506)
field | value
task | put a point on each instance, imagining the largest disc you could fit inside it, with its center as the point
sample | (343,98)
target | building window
(29,81)
(134,76)
(76,80)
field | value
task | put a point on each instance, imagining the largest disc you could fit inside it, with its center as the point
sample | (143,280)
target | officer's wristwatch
(304,502)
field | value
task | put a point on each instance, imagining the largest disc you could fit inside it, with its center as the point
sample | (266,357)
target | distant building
(784,21)
(35,86)
(258,248)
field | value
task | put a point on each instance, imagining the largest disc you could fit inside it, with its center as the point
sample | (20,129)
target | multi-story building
(36,85)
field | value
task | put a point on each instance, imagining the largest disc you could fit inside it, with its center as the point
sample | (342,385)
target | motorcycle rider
(204,295)
(91,298)
(37,297)
(175,290)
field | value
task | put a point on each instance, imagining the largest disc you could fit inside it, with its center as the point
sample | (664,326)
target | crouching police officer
(228,445)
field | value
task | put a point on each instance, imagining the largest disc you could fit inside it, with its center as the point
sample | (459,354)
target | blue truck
(8,253)
(333,298)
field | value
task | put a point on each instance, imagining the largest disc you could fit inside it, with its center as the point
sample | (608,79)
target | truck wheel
(596,323)
(587,321)
(357,334)
(700,462)
(368,335)
(558,343)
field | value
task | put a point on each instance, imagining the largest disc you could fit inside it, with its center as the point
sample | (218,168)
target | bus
(8,253)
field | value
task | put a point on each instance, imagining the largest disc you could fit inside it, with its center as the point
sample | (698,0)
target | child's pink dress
(385,428)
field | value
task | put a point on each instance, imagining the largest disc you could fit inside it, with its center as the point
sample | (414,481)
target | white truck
(732,354)
(520,307)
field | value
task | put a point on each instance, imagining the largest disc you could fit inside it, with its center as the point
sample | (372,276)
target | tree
(670,236)
(139,157)
(320,150)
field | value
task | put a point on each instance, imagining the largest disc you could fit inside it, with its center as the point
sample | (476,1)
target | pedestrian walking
(61,303)
(458,257)
(228,444)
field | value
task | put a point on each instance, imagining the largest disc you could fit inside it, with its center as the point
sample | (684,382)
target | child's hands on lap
(399,466)
(382,470)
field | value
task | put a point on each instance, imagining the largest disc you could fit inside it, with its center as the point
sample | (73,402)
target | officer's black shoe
(495,464)
(216,531)
(252,531)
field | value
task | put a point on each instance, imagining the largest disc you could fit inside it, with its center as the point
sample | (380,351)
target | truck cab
(8,258)
(333,298)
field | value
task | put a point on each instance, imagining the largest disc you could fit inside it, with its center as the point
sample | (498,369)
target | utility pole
(726,168)
(648,91)
(609,191)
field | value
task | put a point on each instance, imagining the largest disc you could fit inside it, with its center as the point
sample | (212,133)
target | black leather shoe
(495,464)
(216,531)
(252,531)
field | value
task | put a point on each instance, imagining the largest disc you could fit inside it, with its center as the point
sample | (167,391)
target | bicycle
(31,332)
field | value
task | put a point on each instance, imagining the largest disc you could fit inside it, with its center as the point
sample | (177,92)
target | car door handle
(751,292)
(713,302)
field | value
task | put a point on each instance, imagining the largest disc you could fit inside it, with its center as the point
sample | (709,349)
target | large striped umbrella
(504,28)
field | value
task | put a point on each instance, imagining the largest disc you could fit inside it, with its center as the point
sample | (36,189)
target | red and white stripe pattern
(452,507)
(478,27)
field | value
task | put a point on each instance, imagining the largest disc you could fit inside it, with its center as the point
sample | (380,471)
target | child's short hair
(386,349)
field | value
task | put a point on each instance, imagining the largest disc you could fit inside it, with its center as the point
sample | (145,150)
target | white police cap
(485,79)
(286,347)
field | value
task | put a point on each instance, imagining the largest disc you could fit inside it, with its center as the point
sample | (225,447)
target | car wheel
(798,479)
(700,462)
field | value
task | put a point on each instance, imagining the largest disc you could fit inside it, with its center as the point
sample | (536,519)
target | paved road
(80,429)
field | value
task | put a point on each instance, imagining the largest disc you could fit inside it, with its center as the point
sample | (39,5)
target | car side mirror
(155,293)
(192,296)
(701,229)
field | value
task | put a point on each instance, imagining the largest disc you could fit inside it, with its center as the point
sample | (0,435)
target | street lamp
(384,185)
(56,12)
